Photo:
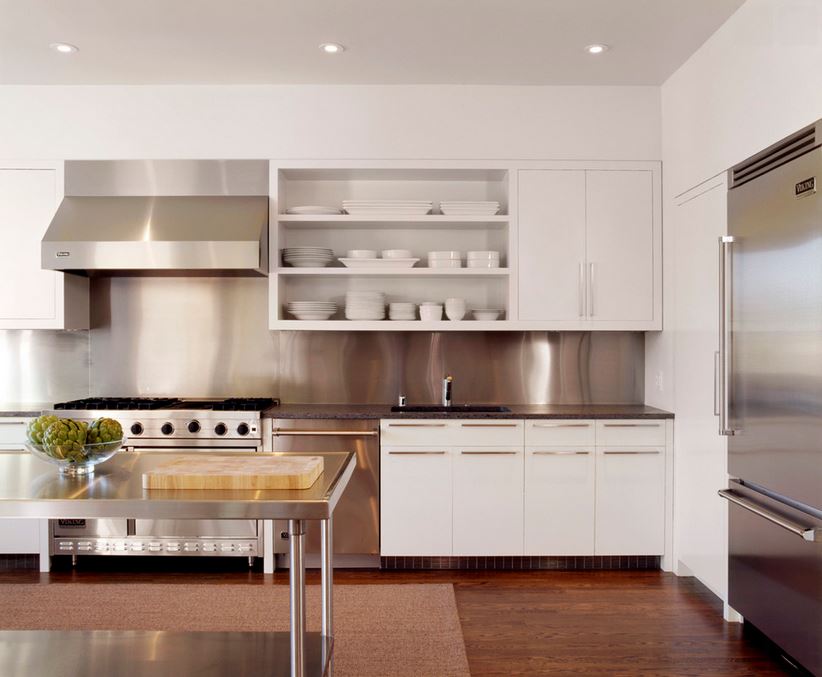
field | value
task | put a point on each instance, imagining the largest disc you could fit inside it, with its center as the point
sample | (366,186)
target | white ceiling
(534,42)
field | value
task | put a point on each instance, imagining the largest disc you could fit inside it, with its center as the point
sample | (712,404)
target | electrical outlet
(660,382)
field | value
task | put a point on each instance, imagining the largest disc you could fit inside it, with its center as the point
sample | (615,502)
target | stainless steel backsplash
(202,337)
(43,366)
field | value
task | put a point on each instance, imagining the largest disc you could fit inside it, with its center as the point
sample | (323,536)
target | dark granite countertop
(518,411)
(23,409)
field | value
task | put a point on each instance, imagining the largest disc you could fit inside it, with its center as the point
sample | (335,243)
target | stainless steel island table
(31,488)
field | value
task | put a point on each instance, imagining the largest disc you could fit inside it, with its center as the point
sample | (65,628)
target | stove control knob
(194,427)
(136,428)
(242,429)
(220,429)
(167,429)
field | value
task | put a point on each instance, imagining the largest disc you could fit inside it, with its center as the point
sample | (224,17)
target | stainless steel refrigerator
(769,392)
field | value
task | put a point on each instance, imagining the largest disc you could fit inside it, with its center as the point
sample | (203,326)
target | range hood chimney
(161,218)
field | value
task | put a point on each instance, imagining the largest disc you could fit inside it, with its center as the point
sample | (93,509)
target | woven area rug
(379,629)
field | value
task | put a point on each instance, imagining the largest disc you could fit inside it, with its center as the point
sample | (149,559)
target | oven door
(169,528)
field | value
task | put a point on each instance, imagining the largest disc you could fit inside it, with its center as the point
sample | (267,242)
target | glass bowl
(73,461)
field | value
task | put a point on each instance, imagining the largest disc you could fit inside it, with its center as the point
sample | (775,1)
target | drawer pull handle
(416,453)
(560,453)
(632,425)
(812,534)
(280,432)
(489,453)
(561,425)
(416,425)
(490,425)
(631,453)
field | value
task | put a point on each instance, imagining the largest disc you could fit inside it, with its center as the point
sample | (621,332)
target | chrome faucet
(446,390)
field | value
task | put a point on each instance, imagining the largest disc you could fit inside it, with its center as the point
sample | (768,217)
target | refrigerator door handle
(812,534)
(716,383)
(725,276)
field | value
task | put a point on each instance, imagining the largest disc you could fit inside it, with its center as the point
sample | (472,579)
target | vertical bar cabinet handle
(725,286)
(590,289)
(581,289)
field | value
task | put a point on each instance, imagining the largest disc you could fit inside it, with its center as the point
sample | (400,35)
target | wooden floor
(540,622)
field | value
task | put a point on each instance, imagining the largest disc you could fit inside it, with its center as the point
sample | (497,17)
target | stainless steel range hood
(161,217)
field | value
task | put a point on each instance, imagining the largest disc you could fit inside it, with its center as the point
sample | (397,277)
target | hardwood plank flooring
(532,622)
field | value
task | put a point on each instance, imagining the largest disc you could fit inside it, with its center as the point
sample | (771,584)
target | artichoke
(65,439)
(104,430)
(37,427)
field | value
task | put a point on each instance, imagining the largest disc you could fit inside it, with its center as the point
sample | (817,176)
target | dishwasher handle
(282,432)
(812,534)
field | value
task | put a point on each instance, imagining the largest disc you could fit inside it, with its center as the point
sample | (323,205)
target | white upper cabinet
(37,299)
(620,230)
(589,243)
(551,245)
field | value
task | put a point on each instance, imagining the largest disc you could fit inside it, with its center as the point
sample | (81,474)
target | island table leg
(296,580)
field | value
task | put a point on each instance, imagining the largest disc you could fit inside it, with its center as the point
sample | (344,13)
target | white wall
(756,80)
(90,122)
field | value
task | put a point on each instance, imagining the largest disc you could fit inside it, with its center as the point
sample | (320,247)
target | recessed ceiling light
(596,48)
(332,47)
(64,47)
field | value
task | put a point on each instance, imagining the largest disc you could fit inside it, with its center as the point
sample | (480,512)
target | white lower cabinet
(487,491)
(559,500)
(630,501)
(415,501)
(17,536)
(536,488)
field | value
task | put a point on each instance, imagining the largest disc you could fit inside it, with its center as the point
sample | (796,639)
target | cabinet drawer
(623,432)
(463,432)
(12,433)
(554,432)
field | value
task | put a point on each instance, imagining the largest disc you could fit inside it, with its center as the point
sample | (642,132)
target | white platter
(378,263)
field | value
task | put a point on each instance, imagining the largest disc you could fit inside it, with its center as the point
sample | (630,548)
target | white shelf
(394,272)
(427,220)
(391,325)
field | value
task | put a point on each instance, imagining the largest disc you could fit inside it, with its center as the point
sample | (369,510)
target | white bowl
(483,255)
(396,254)
(444,263)
(431,313)
(486,314)
(361,254)
(483,263)
(445,255)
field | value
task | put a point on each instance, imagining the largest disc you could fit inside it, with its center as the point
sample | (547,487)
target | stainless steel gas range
(168,424)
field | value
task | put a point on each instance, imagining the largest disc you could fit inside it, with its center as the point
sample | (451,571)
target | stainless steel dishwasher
(356,530)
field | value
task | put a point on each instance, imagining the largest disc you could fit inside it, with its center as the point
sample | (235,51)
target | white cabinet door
(551,244)
(559,501)
(621,247)
(42,299)
(630,501)
(488,497)
(19,536)
(415,501)
(27,203)
(701,453)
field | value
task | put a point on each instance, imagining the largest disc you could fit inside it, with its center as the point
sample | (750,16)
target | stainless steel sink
(453,409)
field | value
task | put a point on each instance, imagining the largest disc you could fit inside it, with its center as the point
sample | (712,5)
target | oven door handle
(281,432)
(812,534)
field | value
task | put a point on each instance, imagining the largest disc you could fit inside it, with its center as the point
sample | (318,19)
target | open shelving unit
(329,183)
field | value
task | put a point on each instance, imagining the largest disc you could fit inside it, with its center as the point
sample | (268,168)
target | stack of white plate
(402,311)
(364,305)
(469,207)
(311,310)
(445,259)
(388,207)
(313,209)
(486,259)
(307,257)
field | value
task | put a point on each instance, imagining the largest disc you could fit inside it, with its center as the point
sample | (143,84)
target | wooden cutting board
(235,471)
